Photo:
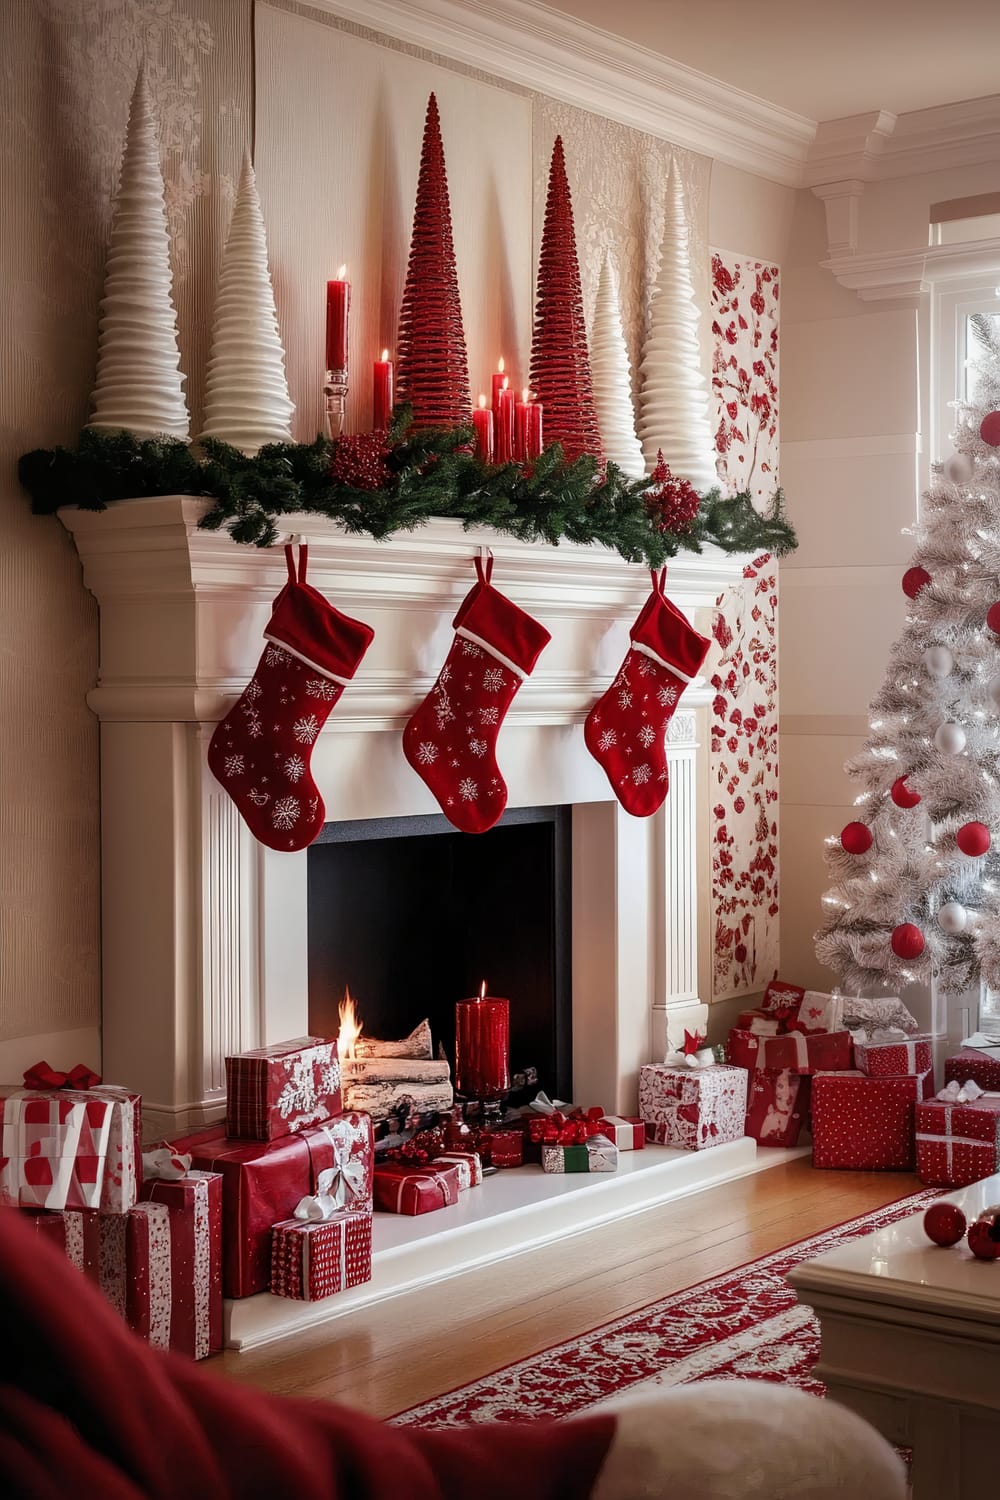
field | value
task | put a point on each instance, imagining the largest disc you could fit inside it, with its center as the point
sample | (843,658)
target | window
(953,348)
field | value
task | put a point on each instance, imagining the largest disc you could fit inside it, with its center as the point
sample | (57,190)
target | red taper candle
(482,1047)
(382,392)
(482,421)
(533,433)
(521,409)
(497,383)
(338,303)
(505,424)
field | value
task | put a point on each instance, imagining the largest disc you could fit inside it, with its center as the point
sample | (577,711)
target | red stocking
(626,729)
(261,750)
(451,740)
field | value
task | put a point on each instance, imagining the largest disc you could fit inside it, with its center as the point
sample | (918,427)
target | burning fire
(482,990)
(350,1027)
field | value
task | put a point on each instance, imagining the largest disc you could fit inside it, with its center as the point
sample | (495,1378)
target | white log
(613,378)
(382,1099)
(139,386)
(395,1069)
(246,395)
(674,399)
(417,1044)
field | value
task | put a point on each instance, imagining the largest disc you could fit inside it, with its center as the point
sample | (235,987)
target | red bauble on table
(856,838)
(973,839)
(993,617)
(984,1235)
(944,1223)
(914,579)
(989,429)
(907,941)
(903,795)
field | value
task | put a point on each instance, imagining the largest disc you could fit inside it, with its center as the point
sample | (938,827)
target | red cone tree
(560,363)
(432,373)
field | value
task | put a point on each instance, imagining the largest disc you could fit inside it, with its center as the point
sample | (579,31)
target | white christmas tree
(139,386)
(246,396)
(674,398)
(613,379)
(916,875)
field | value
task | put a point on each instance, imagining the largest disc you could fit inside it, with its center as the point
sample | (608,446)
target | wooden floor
(386,1358)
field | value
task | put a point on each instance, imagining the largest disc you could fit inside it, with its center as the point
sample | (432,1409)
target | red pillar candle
(338,302)
(533,435)
(497,385)
(482,1047)
(521,409)
(382,393)
(505,424)
(482,421)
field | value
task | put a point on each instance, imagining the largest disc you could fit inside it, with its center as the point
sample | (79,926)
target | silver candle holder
(335,401)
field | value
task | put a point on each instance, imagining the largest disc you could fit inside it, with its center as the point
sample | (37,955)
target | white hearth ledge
(205,933)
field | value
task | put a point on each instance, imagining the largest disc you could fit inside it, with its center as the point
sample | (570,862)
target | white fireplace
(205,933)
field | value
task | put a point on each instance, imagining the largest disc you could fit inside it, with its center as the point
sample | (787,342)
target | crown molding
(552,54)
(878,145)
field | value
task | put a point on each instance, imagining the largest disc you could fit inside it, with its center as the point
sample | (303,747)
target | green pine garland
(429,474)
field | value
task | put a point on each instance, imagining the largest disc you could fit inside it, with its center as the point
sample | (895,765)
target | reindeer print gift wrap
(693,1108)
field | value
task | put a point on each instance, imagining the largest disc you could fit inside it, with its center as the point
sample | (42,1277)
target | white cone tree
(139,386)
(674,397)
(246,397)
(916,876)
(612,378)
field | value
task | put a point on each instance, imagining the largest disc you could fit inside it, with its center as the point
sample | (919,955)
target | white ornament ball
(958,469)
(950,739)
(938,660)
(952,917)
(993,690)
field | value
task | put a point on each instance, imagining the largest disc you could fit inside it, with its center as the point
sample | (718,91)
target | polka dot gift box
(311,1259)
(865,1124)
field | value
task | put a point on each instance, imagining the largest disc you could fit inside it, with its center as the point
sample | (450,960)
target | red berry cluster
(359,461)
(673,503)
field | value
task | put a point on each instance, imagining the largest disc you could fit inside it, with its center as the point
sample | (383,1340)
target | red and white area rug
(744,1325)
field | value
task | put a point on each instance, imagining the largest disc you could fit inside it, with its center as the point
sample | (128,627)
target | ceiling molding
(878,145)
(545,51)
(889,275)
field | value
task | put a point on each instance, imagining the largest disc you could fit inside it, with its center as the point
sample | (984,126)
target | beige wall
(68,70)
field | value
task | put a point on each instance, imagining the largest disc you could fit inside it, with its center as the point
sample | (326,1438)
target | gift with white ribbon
(319,1258)
(165,1164)
(964,1119)
(888,1051)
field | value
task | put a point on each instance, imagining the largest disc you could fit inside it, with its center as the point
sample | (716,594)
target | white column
(677,1001)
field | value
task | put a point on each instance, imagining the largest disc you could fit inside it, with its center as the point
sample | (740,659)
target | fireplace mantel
(204,931)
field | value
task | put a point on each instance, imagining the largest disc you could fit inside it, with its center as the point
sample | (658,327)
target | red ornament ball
(984,1239)
(973,839)
(673,503)
(993,617)
(907,941)
(944,1223)
(902,795)
(989,429)
(856,838)
(914,579)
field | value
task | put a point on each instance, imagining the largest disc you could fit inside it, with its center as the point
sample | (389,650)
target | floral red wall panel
(743,759)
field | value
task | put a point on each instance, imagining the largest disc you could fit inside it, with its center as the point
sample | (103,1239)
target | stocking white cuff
(504,661)
(666,665)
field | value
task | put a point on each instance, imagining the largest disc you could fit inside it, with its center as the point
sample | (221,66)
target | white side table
(911,1341)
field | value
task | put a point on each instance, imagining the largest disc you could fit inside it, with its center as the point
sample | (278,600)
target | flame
(506,382)
(482,402)
(385,356)
(525,395)
(500,365)
(341,273)
(482,990)
(350,1027)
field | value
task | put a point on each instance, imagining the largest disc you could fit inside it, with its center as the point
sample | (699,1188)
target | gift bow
(885,1036)
(41,1076)
(334,1187)
(701,1059)
(543,1105)
(960,1093)
(557,1129)
(165,1163)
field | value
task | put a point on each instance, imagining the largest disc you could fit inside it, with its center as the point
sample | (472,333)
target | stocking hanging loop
(290,559)
(659,577)
(484,564)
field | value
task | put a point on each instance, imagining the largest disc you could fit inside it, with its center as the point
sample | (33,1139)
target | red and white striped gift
(469,1164)
(70,1148)
(194,1206)
(401,1189)
(628,1132)
(311,1259)
(276,1091)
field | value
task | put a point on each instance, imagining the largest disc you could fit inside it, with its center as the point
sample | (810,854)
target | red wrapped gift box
(982,1067)
(887,1059)
(70,1148)
(507,1148)
(277,1091)
(958,1143)
(194,1206)
(401,1189)
(777,1105)
(128,1257)
(311,1259)
(778,995)
(263,1182)
(628,1132)
(802,1052)
(865,1124)
(469,1164)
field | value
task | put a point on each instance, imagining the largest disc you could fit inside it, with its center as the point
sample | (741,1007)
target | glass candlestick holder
(334,402)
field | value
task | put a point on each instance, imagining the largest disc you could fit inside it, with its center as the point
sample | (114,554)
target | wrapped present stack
(72,1162)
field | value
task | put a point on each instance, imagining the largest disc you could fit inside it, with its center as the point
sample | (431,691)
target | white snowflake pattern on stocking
(252,691)
(489,716)
(607,738)
(285,812)
(478,747)
(322,688)
(624,698)
(445,673)
(235,765)
(306,729)
(443,710)
(647,734)
(645,666)
(254,727)
(469,648)
(468,789)
(259,798)
(641,774)
(493,679)
(427,753)
(294,768)
(275,657)
(666,696)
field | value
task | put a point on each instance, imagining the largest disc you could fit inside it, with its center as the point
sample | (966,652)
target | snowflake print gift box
(865,1124)
(70,1148)
(193,1204)
(279,1090)
(312,1260)
(693,1108)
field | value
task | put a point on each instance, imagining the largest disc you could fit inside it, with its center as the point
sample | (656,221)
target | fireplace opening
(411,916)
